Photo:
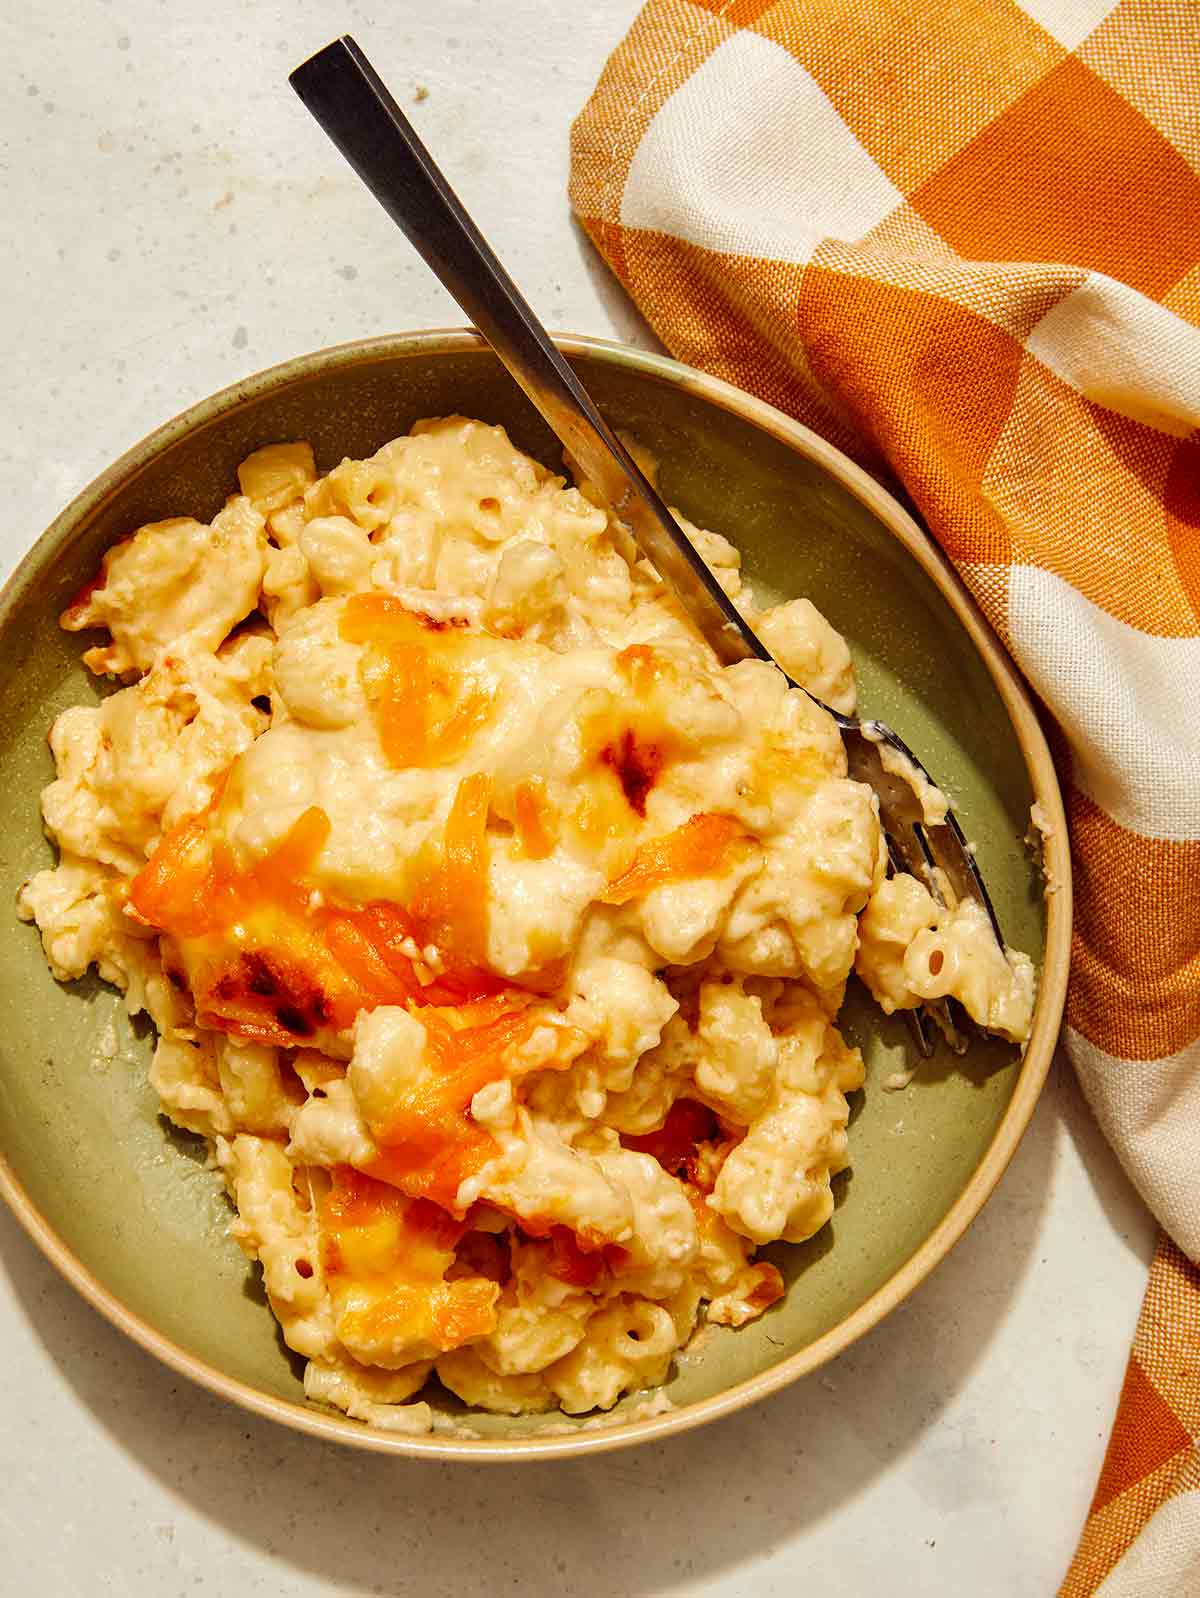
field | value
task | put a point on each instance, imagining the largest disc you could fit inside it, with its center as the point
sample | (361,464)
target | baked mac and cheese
(494,934)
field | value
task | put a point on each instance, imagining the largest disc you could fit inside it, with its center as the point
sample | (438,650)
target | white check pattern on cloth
(1121,350)
(1125,699)
(1068,21)
(709,172)
(1150,1110)
(1165,1560)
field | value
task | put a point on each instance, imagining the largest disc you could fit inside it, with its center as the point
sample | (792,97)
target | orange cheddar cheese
(420,681)
(270,962)
(385,1258)
(703,847)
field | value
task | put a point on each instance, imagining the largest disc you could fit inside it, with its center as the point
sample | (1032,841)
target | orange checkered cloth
(960,238)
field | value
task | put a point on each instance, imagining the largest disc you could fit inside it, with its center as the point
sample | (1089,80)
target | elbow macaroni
(494,934)
(911,949)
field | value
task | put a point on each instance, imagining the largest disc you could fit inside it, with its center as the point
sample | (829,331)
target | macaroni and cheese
(493,933)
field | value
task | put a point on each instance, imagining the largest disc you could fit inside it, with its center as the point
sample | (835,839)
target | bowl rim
(1052,989)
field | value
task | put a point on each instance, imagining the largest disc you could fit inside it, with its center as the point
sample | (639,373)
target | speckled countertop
(181,222)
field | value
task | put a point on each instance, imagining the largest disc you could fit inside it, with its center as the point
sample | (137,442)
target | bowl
(127,1208)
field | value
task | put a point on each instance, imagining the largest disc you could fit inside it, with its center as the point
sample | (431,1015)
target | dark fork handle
(348,98)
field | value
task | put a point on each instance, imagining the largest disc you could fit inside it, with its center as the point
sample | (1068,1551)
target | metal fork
(349,100)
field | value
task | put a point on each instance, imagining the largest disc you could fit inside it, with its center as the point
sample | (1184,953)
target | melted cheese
(702,847)
(385,1259)
(494,932)
(269,960)
(416,1082)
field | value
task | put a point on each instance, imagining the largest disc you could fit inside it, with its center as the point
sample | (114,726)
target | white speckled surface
(184,223)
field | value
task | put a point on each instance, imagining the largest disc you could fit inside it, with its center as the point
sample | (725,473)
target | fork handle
(352,104)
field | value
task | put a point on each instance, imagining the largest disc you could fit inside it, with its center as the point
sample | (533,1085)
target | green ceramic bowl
(125,1206)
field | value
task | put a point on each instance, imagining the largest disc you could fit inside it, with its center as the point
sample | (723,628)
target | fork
(349,100)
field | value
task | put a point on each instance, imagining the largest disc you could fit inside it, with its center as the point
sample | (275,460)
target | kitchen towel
(961,239)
